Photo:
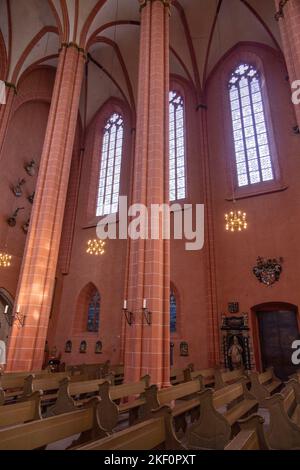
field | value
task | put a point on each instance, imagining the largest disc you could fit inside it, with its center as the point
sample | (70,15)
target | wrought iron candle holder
(31,168)
(17,317)
(12,221)
(129,316)
(17,190)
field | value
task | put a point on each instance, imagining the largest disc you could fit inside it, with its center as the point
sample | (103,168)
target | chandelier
(95,247)
(5,260)
(236,221)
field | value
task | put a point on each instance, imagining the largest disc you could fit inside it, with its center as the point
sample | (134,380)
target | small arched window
(251,141)
(173,311)
(177,147)
(94,313)
(110,172)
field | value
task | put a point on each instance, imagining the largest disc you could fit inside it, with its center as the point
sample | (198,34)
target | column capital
(12,86)
(280,13)
(67,45)
(143,3)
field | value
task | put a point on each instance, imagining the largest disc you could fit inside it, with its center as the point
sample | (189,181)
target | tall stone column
(37,278)
(288,16)
(5,113)
(147,347)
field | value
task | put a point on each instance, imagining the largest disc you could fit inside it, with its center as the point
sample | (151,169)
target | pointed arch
(87,312)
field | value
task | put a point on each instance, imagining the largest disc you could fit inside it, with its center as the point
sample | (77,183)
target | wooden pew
(215,426)
(208,376)
(21,412)
(38,434)
(186,395)
(251,436)
(224,378)
(264,385)
(12,385)
(157,432)
(177,375)
(132,399)
(69,395)
(284,430)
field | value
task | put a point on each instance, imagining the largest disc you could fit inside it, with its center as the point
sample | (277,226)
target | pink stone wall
(273,217)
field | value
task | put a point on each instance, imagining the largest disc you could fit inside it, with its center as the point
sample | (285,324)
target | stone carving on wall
(268,271)
(98,347)
(31,168)
(184,349)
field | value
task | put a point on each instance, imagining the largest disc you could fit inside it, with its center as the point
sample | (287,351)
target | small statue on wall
(68,347)
(235,353)
(12,221)
(98,347)
(184,349)
(17,190)
(83,347)
(31,168)
(26,226)
(31,198)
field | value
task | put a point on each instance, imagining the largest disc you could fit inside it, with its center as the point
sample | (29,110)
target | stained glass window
(251,141)
(173,311)
(109,181)
(94,313)
(177,148)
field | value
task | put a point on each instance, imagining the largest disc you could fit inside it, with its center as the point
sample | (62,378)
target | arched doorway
(5,301)
(276,327)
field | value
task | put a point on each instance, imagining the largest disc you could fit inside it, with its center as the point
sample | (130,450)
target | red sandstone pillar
(147,348)
(289,24)
(5,113)
(37,278)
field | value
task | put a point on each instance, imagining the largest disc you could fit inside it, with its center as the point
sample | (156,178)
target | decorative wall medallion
(31,168)
(233,307)
(98,347)
(268,271)
(68,347)
(184,349)
(17,190)
(83,347)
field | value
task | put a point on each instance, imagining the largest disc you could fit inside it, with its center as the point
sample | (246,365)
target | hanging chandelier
(236,221)
(5,260)
(95,247)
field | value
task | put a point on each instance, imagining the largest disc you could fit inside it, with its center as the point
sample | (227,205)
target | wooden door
(277,330)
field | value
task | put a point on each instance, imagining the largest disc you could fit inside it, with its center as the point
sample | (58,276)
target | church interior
(134,341)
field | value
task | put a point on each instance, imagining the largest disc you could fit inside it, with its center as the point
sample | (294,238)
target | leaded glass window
(109,180)
(251,141)
(177,148)
(94,313)
(173,311)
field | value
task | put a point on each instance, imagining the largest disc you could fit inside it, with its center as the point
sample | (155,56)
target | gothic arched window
(94,313)
(109,180)
(177,147)
(173,311)
(251,140)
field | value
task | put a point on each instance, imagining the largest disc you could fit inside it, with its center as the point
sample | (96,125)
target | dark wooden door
(278,330)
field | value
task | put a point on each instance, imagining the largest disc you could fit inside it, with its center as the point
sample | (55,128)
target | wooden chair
(38,434)
(251,436)
(22,411)
(284,430)
(154,433)
(186,392)
(264,385)
(216,426)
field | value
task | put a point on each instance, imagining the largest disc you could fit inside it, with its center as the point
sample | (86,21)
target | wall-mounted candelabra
(18,188)
(17,317)
(129,316)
